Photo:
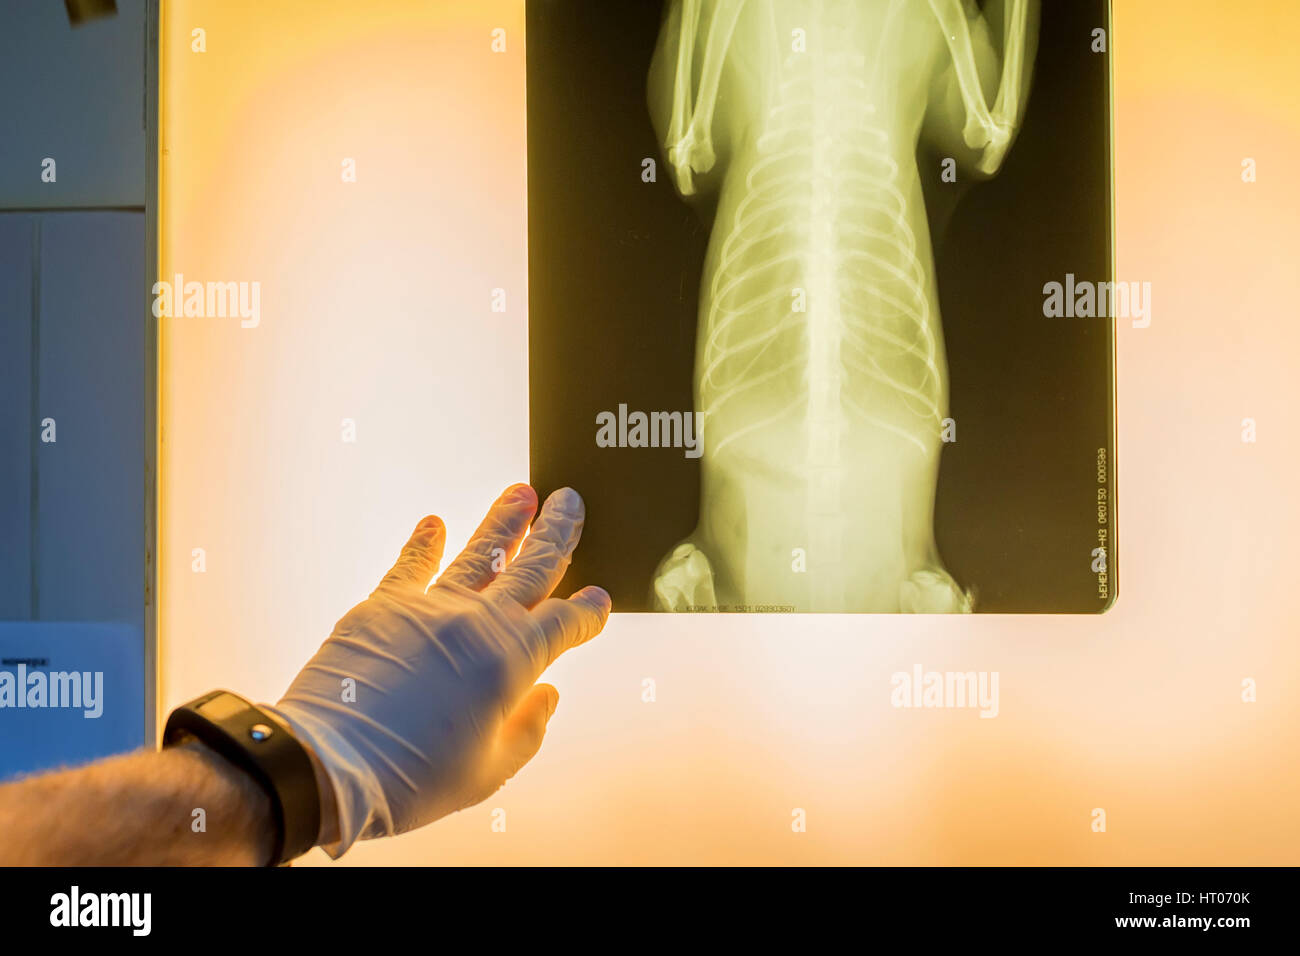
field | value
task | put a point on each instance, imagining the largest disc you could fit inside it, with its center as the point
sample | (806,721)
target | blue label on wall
(69,693)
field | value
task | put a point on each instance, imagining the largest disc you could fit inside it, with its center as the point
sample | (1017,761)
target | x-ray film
(821,301)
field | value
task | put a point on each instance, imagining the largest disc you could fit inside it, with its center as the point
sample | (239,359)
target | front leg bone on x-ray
(689,142)
(987,130)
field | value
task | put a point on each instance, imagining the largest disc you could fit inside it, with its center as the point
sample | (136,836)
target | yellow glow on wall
(375,307)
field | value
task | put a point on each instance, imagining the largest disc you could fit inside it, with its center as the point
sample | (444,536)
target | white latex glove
(446,706)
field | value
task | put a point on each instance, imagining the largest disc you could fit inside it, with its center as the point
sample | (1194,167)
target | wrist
(358,804)
(329,814)
(266,753)
(242,809)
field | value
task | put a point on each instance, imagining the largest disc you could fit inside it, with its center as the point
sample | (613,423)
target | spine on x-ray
(822,211)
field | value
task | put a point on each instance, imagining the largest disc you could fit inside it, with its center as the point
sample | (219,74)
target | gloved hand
(445,707)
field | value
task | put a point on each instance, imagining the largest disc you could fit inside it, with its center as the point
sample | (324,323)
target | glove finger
(565,624)
(495,541)
(419,559)
(544,556)
(522,733)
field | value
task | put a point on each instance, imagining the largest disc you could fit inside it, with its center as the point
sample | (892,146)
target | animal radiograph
(820,373)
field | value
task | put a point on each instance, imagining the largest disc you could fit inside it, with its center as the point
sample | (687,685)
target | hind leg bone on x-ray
(820,374)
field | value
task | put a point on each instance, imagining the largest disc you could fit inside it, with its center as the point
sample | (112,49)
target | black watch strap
(265,749)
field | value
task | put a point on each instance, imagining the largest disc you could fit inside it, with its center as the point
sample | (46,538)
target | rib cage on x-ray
(820,372)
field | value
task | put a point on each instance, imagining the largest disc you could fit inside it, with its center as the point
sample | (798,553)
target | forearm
(453,667)
(139,809)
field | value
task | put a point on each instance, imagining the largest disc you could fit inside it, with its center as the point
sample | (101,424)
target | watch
(267,751)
